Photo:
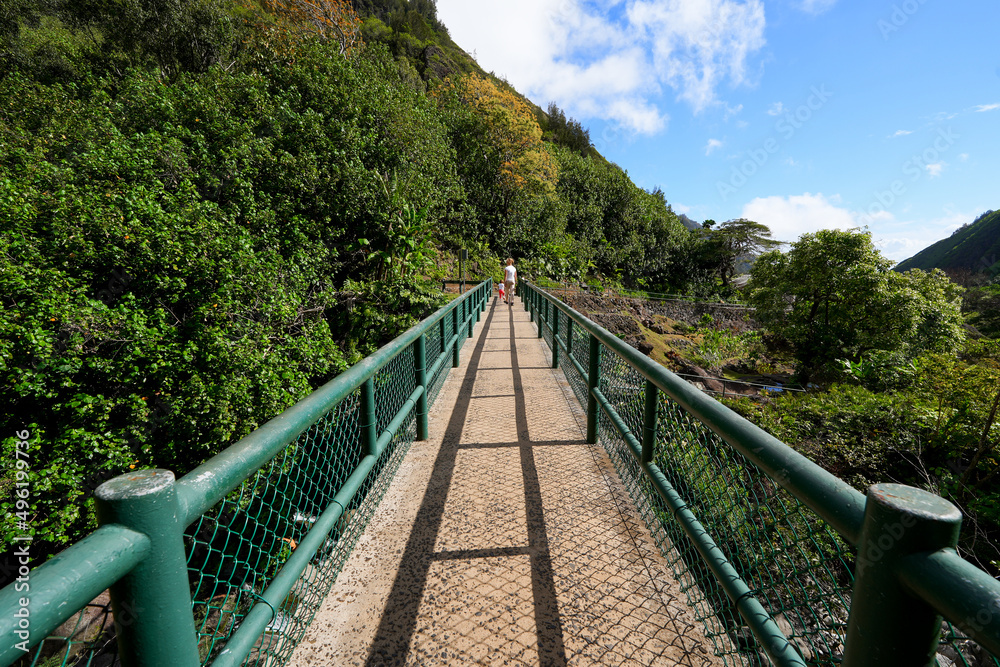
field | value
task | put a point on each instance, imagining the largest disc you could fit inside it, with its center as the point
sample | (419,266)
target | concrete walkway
(505,539)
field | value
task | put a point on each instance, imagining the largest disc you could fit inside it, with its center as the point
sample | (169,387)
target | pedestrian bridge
(508,485)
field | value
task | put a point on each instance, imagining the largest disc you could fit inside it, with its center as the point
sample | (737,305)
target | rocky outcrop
(734,318)
(437,65)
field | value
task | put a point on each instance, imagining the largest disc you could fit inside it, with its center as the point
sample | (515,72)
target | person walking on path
(509,280)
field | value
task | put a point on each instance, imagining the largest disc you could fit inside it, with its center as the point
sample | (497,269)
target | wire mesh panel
(580,351)
(87,638)
(237,548)
(957,650)
(393,385)
(796,565)
(547,324)
(437,342)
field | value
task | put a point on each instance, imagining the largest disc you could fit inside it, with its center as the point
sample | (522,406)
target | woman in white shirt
(509,279)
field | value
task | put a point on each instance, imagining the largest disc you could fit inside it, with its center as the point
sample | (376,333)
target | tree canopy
(833,296)
(734,240)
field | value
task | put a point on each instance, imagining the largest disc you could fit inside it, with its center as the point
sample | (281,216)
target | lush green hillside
(974,247)
(212,207)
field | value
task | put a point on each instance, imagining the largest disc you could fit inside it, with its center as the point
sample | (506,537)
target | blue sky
(800,114)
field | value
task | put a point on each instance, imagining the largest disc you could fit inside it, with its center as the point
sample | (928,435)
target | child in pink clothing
(500,291)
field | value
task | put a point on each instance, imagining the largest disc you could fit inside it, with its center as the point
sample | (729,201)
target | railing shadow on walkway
(399,622)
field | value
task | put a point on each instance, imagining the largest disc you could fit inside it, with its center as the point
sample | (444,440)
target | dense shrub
(175,262)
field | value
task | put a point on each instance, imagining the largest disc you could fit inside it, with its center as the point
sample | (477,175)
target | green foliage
(832,296)
(565,131)
(175,261)
(732,241)
(938,430)
(617,226)
(718,345)
(982,306)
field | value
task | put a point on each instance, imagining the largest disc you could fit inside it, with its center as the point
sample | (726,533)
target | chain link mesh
(86,638)
(957,650)
(237,548)
(797,566)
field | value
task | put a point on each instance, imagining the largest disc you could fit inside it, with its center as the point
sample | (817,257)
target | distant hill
(688,222)
(974,247)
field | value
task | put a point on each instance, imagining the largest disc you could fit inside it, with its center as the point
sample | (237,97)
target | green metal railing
(229,564)
(781,561)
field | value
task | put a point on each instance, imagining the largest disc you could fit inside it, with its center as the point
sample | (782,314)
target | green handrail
(122,549)
(57,589)
(907,573)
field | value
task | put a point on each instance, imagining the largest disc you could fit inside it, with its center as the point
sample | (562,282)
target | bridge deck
(505,538)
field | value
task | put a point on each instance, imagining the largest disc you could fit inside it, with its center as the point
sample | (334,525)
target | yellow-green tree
(509,172)
(514,132)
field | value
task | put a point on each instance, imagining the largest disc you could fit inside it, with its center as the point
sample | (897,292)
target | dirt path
(505,539)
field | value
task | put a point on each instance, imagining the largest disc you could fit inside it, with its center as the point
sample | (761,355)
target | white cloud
(902,239)
(935,169)
(941,116)
(713,144)
(697,45)
(790,161)
(963,156)
(816,6)
(587,57)
(790,217)
(636,115)
(776,109)
(900,133)
(986,107)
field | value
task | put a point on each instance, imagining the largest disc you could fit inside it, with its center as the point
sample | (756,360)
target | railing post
(454,329)
(152,603)
(593,382)
(444,341)
(479,303)
(649,421)
(420,368)
(887,625)
(569,336)
(368,419)
(468,318)
(542,315)
(555,338)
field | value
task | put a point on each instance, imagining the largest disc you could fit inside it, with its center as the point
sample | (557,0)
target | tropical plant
(833,296)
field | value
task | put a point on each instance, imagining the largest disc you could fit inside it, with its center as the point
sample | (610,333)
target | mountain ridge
(972,247)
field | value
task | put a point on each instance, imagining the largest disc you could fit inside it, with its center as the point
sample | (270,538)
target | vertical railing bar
(886,625)
(368,418)
(420,372)
(593,382)
(555,338)
(152,603)
(454,330)
(649,421)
